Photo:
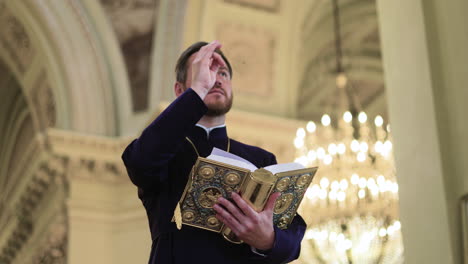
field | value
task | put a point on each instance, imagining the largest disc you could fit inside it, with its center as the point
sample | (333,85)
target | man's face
(219,99)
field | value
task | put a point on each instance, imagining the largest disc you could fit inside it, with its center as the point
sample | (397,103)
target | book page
(229,158)
(277,168)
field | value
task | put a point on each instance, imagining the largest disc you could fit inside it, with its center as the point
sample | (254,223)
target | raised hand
(254,228)
(205,67)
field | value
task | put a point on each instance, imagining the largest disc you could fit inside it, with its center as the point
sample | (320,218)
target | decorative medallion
(303,180)
(283,222)
(232,178)
(207,172)
(283,184)
(283,203)
(188,216)
(209,197)
(212,221)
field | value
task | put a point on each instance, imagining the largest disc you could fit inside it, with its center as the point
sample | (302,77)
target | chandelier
(352,207)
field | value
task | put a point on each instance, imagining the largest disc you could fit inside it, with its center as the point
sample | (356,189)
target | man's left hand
(254,228)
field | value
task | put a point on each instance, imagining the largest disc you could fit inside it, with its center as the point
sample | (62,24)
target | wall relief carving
(26,215)
(43,100)
(15,40)
(251,52)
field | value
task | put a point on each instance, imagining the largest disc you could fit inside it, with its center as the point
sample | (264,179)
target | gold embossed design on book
(210,179)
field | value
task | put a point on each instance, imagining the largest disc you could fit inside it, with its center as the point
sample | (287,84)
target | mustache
(217,89)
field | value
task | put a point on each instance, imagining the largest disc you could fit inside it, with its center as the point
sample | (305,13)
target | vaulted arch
(361,58)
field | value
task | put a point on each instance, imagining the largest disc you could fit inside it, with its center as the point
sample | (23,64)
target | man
(160,160)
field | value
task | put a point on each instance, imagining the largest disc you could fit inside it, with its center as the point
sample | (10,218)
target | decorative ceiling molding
(43,102)
(71,43)
(15,41)
(25,217)
(92,158)
(265,5)
(53,248)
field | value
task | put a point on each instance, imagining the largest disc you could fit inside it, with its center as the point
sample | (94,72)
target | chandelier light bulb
(302,160)
(300,133)
(324,183)
(335,185)
(362,117)
(378,147)
(322,194)
(382,232)
(397,225)
(332,149)
(347,117)
(311,127)
(341,80)
(361,194)
(354,179)
(320,153)
(378,121)
(343,184)
(363,147)
(388,146)
(341,148)
(388,128)
(355,145)
(362,183)
(326,120)
(361,157)
(348,244)
(310,194)
(298,143)
(312,155)
(327,159)
(341,196)
(381,180)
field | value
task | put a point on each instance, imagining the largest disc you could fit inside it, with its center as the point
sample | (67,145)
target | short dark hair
(181,66)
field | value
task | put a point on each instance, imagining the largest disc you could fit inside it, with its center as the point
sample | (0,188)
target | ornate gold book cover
(211,179)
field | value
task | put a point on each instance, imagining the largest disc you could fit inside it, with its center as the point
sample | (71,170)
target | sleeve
(147,157)
(287,244)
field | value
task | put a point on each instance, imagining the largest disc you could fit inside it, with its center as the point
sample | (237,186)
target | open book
(222,173)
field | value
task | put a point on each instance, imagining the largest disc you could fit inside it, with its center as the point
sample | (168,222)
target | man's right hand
(205,68)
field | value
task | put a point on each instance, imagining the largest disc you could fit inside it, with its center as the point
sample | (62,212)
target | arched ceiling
(283,52)
(361,59)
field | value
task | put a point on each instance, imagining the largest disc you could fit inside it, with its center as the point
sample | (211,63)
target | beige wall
(425,60)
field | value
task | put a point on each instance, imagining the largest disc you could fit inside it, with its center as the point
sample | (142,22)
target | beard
(220,108)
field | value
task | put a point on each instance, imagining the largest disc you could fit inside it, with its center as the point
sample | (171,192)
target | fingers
(271,202)
(244,206)
(206,52)
(231,209)
(227,218)
(217,62)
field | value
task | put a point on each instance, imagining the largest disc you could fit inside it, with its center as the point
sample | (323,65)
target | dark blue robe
(159,162)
